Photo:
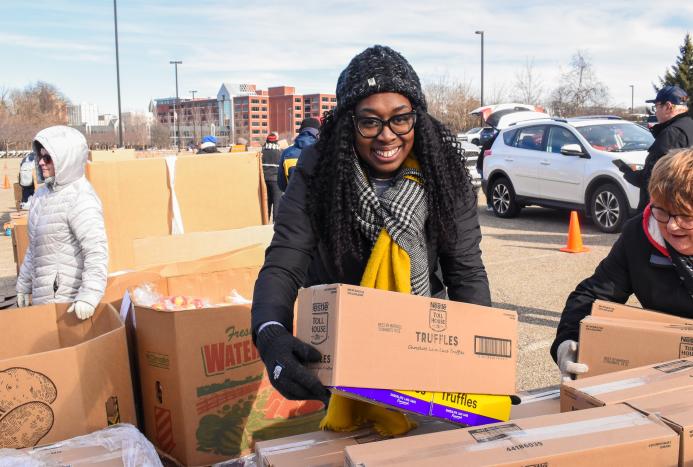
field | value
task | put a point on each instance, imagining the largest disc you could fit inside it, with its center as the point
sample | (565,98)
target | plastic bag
(235,298)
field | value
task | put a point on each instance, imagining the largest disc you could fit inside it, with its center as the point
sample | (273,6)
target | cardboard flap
(34,330)
(73,331)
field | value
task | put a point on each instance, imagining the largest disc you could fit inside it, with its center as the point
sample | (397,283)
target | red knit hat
(271,138)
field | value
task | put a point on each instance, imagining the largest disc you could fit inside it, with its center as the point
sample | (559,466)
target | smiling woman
(382,200)
(652,259)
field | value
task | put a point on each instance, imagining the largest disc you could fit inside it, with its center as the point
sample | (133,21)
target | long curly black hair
(332,194)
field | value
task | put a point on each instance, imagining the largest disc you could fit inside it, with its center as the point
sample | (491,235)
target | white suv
(566,163)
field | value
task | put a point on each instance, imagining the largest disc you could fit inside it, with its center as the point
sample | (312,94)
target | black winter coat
(633,266)
(672,134)
(298,258)
(271,152)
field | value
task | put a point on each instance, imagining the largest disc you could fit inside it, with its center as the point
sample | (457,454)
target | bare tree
(160,135)
(529,88)
(579,91)
(450,102)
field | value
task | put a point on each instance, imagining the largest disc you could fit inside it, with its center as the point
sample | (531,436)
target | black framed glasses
(371,127)
(663,216)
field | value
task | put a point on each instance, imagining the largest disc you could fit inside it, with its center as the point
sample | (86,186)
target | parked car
(566,163)
(486,134)
(471,136)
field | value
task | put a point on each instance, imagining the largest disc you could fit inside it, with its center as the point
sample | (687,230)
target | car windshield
(617,137)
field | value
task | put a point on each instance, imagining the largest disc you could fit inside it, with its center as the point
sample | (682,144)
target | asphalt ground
(526,270)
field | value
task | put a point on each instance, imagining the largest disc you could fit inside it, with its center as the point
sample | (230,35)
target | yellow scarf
(388,268)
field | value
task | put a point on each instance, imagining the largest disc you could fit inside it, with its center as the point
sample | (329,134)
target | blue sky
(70,43)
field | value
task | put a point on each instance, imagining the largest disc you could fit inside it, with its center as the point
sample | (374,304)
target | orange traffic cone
(6,181)
(574,236)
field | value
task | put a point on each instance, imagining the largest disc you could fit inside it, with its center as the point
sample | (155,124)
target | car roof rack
(593,117)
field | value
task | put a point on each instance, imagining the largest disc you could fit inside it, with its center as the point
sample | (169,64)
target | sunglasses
(45,158)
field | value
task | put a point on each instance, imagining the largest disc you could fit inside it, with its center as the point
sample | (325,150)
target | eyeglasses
(46,158)
(371,127)
(685,222)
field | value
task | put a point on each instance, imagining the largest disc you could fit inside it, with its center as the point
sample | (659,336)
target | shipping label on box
(627,385)
(607,345)
(412,342)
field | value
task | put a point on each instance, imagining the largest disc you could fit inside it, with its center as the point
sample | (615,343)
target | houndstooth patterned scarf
(402,211)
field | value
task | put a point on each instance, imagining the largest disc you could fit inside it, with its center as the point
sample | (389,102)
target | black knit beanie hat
(378,69)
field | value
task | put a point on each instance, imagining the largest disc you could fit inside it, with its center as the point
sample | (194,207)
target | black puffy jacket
(635,265)
(298,258)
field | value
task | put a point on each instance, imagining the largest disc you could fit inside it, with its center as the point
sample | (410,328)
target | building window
(254,101)
(297,115)
(255,116)
(255,124)
(264,108)
(333,99)
(297,99)
(325,107)
(264,116)
(307,109)
(256,132)
(245,116)
(297,107)
(264,123)
(264,101)
(255,109)
(324,99)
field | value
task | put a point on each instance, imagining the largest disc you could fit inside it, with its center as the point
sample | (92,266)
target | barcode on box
(492,346)
(493,433)
(673,367)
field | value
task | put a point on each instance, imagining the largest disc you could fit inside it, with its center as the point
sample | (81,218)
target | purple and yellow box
(466,409)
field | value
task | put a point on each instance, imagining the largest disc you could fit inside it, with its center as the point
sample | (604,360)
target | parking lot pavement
(529,274)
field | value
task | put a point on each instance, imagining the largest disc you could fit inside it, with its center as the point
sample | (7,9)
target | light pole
(481,33)
(120,119)
(175,63)
(632,95)
(194,116)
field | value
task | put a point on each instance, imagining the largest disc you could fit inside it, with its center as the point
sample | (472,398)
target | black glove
(622,166)
(284,356)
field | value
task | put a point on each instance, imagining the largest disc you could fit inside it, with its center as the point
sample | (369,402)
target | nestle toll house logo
(438,317)
(318,329)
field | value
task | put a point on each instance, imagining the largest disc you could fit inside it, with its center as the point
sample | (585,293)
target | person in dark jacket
(653,259)
(384,173)
(209,145)
(674,130)
(307,136)
(271,153)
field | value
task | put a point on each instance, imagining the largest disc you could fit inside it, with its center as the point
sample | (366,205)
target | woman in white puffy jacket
(67,258)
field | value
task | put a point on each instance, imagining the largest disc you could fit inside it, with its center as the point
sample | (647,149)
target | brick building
(198,117)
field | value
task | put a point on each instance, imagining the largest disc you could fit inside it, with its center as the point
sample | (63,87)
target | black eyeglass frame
(356,119)
(676,217)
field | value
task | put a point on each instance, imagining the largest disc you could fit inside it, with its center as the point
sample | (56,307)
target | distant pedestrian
(674,130)
(307,136)
(209,145)
(27,168)
(67,257)
(271,152)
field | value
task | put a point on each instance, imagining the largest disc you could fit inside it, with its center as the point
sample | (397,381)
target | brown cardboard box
(674,408)
(605,309)
(17,195)
(214,192)
(20,238)
(627,385)
(544,401)
(608,345)
(110,155)
(326,448)
(409,342)
(614,435)
(168,249)
(116,446)
(205,395)
(61,377)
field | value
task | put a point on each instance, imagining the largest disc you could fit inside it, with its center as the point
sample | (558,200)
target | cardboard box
(627,385)
(17,188)
(543,401)
(213,192)
(614,435)
(154,251)
(467,409)
(606,309)
(608,345)
(61,377)
(205,394)
(410,342)
(326,448)
(20,238)
(674,408)
(116,446)
(110,155)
